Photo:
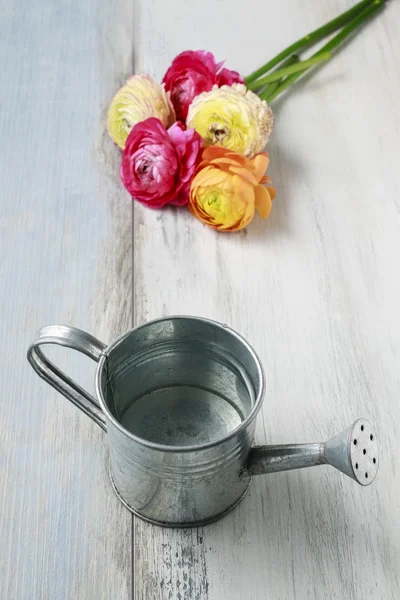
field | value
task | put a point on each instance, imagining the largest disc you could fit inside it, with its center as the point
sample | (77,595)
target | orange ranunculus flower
(227,189)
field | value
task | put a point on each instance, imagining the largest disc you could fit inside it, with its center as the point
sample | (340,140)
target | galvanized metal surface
(76,339)
(354,451)
(180,459)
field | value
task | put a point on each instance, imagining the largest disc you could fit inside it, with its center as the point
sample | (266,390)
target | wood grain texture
(65,257)
(315,289)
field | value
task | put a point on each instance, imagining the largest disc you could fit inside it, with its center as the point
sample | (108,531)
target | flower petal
(263,202)
(271,192)
(260,162)
(245,174)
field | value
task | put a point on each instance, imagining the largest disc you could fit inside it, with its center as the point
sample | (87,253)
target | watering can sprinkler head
(354,451)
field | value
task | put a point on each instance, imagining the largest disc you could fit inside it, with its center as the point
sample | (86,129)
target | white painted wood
(65,257)
(315,290)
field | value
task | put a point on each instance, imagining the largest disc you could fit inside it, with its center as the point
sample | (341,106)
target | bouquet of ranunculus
(197,138)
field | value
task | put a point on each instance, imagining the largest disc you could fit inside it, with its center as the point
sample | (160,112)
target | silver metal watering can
(178,398)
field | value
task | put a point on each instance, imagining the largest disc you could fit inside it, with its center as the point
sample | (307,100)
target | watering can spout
(354,451)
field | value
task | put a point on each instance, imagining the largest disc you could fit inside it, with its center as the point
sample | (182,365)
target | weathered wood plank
(315,289)
(65,257)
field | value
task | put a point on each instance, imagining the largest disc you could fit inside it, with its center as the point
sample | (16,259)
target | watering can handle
(70,337)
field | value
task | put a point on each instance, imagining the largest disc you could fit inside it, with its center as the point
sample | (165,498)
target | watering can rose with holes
(178,398)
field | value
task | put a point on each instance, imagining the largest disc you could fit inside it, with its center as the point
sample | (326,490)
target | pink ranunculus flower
(158,164)
(191,73)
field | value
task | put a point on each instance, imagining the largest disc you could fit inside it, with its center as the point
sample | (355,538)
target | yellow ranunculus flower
(233,117)
(139,99)
(228,188)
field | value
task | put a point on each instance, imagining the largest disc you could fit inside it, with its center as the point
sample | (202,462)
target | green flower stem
(271,87)
(333,44)
(310,39)
(284,72)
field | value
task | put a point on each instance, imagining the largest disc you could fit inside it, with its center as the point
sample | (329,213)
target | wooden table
(315,289)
